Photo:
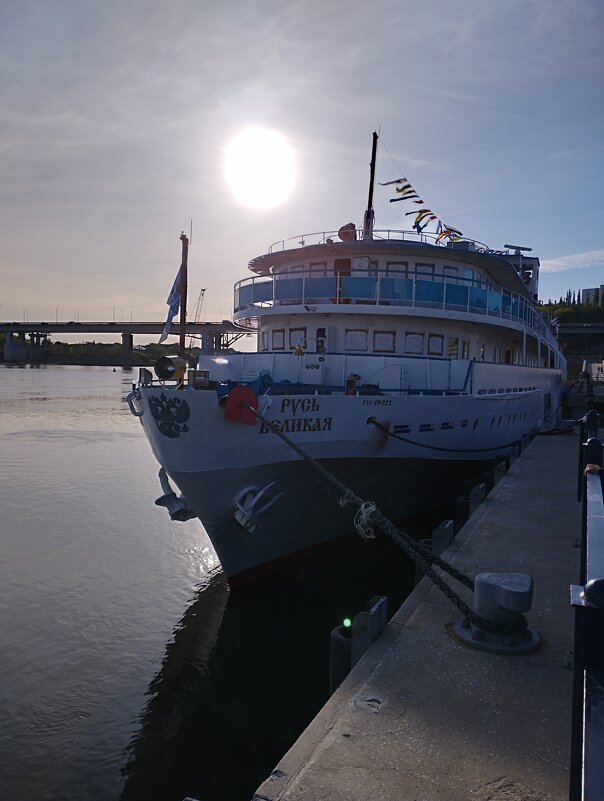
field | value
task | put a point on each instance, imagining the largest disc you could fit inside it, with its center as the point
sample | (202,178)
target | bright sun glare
(259,168)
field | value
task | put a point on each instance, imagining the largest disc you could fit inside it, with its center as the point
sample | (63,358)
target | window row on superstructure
(364,265)
(413,338)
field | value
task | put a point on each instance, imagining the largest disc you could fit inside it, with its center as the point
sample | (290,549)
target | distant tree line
(569,308)
(574,299)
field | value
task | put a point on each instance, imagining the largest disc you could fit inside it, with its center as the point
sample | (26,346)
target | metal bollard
(500,598)
(461,513)
(347,644)
(339,656)
(475,498)
(499,471)
(442,537)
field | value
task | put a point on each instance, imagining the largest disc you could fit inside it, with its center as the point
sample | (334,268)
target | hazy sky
(115,117)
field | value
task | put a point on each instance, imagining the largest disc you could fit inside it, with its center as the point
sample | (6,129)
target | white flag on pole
(174,304)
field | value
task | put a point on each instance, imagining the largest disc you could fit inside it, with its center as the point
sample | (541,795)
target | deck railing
(587,598)
(412,288)
(379,234)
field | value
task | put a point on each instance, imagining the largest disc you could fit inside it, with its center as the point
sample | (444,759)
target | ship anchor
(178,507)
(246,513)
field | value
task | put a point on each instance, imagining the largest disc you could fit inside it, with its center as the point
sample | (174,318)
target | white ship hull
(216,462)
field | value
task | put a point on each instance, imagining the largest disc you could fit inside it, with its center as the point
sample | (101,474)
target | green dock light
(349,641)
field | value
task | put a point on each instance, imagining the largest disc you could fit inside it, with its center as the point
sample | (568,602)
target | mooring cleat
(499,600)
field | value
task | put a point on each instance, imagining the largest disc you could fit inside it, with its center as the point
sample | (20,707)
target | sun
(259,168)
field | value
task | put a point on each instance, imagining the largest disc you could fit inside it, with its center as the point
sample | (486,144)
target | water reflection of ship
(247,670)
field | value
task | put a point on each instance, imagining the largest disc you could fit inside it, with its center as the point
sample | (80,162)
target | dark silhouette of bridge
(213,337)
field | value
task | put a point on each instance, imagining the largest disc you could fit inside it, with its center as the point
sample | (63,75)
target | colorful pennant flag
(405,191)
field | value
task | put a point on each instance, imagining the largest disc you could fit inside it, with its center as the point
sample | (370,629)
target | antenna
(369,216)
(191,231)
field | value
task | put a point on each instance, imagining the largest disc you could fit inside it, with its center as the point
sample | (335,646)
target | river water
(128,669)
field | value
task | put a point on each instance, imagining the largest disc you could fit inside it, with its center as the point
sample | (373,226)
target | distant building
(590,295)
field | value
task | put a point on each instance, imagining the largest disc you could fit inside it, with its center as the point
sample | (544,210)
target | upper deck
(393,269)
(510,270)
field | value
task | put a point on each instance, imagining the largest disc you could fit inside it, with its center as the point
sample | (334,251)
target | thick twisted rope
(416,551)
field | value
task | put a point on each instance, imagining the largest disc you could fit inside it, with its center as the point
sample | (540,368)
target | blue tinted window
(363,288)
(478,299)
(320,288)
(515,308)
(400,289)
(494,303)
(507,305)
(245,295)
(457,295)
(263,291)
(288,289)
(429,293)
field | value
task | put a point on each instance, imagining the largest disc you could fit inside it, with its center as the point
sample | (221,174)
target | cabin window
(396,268)
(468,274)
(318,267)
(279,339)
(297,336)
(453,347)
(450,273)
(384,341)
(507,356)
(355,339)
(465,349)
(482,353)
(321,340)
(361,263)
(425,271)
(414,343)
(435,345)
(296,268)
(264,340)
(341,265)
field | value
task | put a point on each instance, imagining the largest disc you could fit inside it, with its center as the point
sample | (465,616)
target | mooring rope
(422,556)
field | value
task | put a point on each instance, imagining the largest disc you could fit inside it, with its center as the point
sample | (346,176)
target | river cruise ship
(388,357)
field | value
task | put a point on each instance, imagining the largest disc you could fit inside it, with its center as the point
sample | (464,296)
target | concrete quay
(422,717)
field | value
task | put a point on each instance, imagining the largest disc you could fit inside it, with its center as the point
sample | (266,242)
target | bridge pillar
(211,342)
(126,344)
(35,346)
(15,349)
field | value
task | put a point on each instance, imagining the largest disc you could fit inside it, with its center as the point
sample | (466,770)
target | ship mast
(183,294)
(369,216)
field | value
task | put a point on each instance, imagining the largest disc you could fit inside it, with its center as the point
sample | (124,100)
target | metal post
(183,294)
(581,467)
(586,766)
(339,656)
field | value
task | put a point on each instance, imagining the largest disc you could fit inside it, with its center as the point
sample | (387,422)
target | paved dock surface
(424,718)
